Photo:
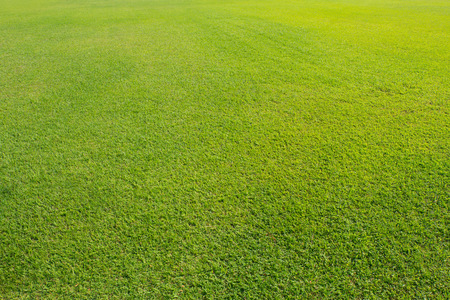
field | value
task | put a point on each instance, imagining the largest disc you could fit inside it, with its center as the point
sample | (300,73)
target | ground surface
(224,149)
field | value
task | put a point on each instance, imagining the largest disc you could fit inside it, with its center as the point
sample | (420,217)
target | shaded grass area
(270,149)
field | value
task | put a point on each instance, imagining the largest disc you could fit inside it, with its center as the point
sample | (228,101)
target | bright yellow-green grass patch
(224,149)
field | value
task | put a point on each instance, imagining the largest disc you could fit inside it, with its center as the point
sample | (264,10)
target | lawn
(224,149)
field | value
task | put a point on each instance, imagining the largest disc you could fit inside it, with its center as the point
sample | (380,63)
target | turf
(224,149)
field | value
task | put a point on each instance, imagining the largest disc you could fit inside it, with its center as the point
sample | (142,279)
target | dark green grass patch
(224,149)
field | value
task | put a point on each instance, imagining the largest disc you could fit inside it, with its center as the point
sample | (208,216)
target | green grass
(224,149)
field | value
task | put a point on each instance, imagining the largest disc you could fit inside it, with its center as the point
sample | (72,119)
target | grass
(224,149)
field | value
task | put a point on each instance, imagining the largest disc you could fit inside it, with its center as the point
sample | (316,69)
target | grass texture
(224,149)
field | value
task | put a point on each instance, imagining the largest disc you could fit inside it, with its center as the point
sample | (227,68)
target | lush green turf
(224,149)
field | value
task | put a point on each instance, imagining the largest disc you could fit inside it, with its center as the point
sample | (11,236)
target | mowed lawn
(224,149)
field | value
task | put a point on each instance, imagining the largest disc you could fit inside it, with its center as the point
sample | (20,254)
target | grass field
(224,149)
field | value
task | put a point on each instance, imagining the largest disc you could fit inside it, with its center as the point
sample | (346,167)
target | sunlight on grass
(224,149)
